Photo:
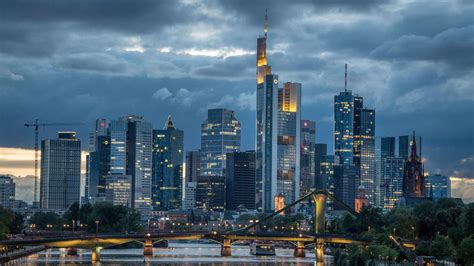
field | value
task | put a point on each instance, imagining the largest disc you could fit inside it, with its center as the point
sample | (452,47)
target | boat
(259,248)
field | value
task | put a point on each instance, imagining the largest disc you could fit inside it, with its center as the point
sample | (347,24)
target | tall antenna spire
(345,78)
(265,29)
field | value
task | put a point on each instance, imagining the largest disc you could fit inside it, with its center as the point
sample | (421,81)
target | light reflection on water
(175,254)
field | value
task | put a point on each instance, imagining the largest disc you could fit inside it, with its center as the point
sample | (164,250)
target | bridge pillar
(226,248)
(95,255)
(299,250)
(72,251)
(319,212)
(319,253)
(148,248)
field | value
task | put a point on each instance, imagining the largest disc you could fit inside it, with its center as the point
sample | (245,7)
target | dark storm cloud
(77,61)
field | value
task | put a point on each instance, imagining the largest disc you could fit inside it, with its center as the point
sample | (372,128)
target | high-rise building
(192,171)
(131,154)
(118,189)
(384,148)
(99,168)
(344,127)
(345,184)
(7,192)
(320,150)
(167,181)
(240,180)
(327,176)
(404,146)
(307,156)
(364,149)
(438,186)
(100,129)
(220,134)
(413,176)
(210,193)
(392,181)
(60,172)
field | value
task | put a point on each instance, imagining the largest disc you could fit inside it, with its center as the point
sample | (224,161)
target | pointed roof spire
(345,78)
(413,146)
(265,29)
(169,123)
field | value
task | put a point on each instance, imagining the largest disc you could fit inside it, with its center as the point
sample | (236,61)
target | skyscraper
(60,172)
(344,125)
(118,189)
(192,171)
(131,154)
(307,157)
(345,183)
(99,168)
(364,149)
(278,134)
(220,134)
(167,181)
(413,176)
(100,130)
(210,193)
(438,186)
(7,192)
(240,180)
(384,148)
(320,150)
(391,185)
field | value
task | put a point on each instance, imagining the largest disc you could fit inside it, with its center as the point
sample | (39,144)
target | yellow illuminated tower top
(262,65)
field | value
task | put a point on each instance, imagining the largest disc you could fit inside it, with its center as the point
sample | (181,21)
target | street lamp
(96,227)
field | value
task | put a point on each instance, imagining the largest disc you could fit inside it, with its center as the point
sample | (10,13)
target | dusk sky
(413,61)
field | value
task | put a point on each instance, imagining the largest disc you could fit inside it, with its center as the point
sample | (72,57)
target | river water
(175,254)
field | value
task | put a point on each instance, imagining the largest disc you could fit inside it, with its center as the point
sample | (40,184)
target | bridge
(320,239)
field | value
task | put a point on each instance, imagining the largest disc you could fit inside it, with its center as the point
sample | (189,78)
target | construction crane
(36,125)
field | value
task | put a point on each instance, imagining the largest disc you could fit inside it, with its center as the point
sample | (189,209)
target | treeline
(10,222)
(102,216)
(443,229)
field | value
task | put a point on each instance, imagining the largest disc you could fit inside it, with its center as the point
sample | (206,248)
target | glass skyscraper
(278,134)
(99,168)
(60,172)
(392,182)
(167,181)
(438,186)
(307,147)
(131,154)
(240,180)
(220,134)
(344,127)
(320,150)
(384,147)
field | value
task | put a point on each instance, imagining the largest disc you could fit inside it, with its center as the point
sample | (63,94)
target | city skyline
(442,149)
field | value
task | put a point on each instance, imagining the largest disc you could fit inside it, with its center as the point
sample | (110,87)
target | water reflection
(175,254)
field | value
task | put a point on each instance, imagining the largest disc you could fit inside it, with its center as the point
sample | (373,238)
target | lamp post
(96,227)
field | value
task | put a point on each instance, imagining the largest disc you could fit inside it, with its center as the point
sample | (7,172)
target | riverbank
(20,253)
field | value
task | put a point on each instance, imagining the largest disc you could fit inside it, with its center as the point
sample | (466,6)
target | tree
(465,251)
(41,220)
(442,248)
(467,218)
(402,221)
(6,218)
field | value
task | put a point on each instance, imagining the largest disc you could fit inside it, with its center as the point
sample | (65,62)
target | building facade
(118,189)
(7,192)
(220,134)
(99,168)
(320,150)
(414,184)
(392,182)
(307,156)
(131,154)
(210,193)
(345,183)
(344,127)
(167,181)
(240,180)
(384,148)
(60,172)
(438,186)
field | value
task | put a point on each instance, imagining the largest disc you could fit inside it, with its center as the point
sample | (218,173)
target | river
(175,254)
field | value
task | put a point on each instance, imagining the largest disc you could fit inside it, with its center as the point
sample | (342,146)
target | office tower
(220,134)
(320,150)
(100,129)
(7,192)
(192,171)
(189,201)
(392,181)
(131,154)
(278,134)
(240,180)
(193,165)
(438,186)
(345,184)
(364,149)
(413,176)
(210,193)
(167,181)
(404,146)
(327,176)
(384,148)
(307,156)
(99,168)
(60,172)
(118,189)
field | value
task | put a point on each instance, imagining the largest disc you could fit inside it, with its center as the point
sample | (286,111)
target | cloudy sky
(411,60)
